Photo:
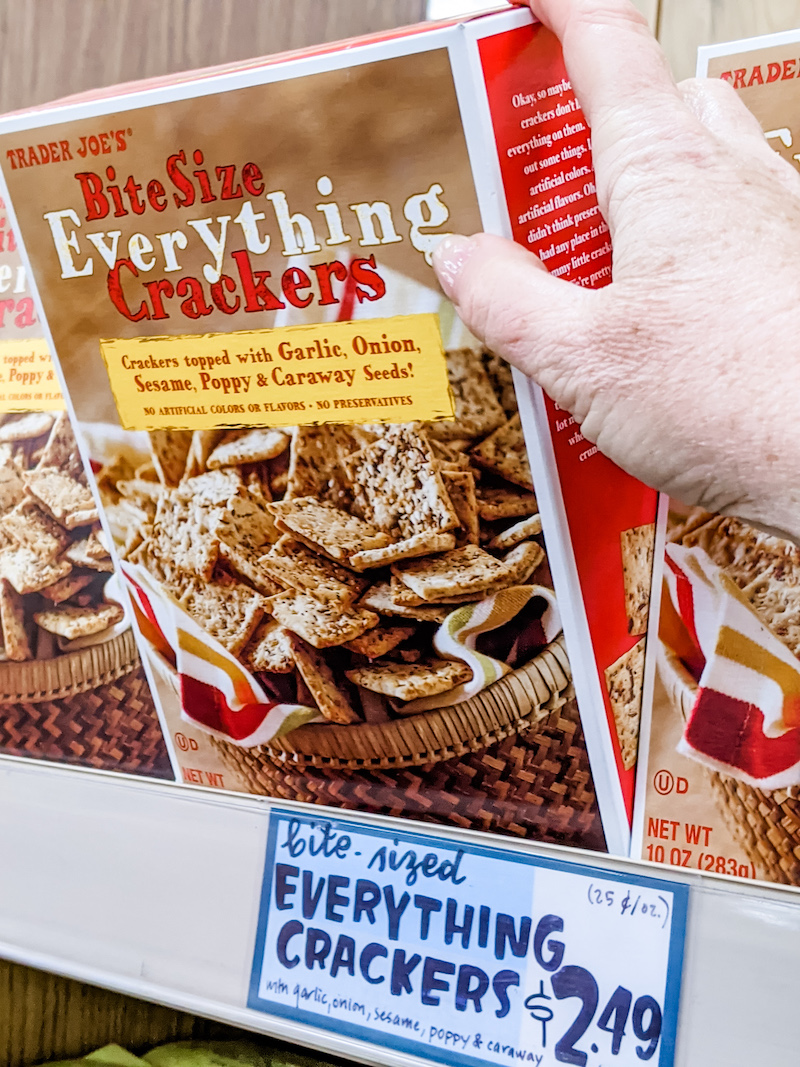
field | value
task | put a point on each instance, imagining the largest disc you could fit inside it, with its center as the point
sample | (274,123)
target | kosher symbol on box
(465,954)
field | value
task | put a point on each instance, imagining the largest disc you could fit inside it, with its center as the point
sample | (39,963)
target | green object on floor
(196,1054)
(113,1056)
(107,1056)
(218,1054)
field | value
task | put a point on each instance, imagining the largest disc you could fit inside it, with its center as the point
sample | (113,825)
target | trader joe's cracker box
(72,688)
(330,502)
(720,785)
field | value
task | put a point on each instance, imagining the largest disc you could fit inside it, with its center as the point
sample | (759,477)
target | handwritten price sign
(466,955)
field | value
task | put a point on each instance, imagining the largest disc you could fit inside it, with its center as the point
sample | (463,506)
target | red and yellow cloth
(745,720)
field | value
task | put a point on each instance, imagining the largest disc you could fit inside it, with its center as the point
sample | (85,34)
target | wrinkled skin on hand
(685,370)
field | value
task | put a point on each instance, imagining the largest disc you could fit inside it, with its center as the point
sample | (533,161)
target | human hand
(685,369)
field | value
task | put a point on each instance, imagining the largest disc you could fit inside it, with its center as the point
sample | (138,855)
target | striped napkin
(745,721)
(218,694)
(465,632)
(224,699)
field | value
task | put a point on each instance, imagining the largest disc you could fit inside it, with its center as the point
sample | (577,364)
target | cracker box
(719,786)
(329,501)
(72,688)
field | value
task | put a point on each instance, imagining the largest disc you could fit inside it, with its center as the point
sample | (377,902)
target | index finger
(615,64)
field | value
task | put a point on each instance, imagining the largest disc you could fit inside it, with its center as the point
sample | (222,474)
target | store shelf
(153,890)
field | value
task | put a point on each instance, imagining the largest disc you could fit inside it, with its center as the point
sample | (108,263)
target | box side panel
(544,149)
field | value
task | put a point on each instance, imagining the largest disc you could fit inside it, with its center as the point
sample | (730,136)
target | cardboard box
(250,247)
(72,689)
(720,766)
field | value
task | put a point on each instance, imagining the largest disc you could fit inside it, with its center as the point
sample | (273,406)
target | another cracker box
(314,477)
(720,769)
(72,689)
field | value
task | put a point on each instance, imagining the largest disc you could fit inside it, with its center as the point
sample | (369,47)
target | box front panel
(354,609)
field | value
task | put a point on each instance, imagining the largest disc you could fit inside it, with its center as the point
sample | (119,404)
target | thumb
(539,323)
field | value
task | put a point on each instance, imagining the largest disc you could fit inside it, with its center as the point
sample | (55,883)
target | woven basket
(765,823)
(511,758)
(91,708)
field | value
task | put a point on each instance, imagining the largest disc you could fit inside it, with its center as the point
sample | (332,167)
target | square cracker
(246,530)
(12,487)
(504,454)
(520,563)
(326,528)
(227,609)
(212,488)
(61,450)
(270,649)
(89,552)
(421,544)
(170,449)
(293,565)
(477,409)
(624,680)
(464,570)
(28,572)
(72,622)
(505,502)
(379,598)
(520,531)
(315,465)
(460,487)
(70,503)
(637,546)
(186,528)
(322,625)
(450,455)
(402,595)
(185,538)
(30,527)
(247,446)
(12,615)
(410,681)
(398,487)
(67,587)
(380,640)
(25,427)
(475,578)
(331,699)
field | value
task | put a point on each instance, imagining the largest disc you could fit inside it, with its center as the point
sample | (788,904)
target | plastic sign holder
(464,954)
(156,892)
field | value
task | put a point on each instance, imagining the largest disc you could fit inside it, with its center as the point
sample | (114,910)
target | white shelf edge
(152,889)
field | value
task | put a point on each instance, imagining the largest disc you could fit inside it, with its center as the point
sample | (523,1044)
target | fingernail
(449,258)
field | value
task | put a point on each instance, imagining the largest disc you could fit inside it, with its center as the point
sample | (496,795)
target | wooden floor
(52,49)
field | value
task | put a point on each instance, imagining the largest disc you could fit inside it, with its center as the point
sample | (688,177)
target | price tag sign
(463,954)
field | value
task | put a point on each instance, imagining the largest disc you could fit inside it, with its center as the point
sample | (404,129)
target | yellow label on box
(374,370)
(27,379)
